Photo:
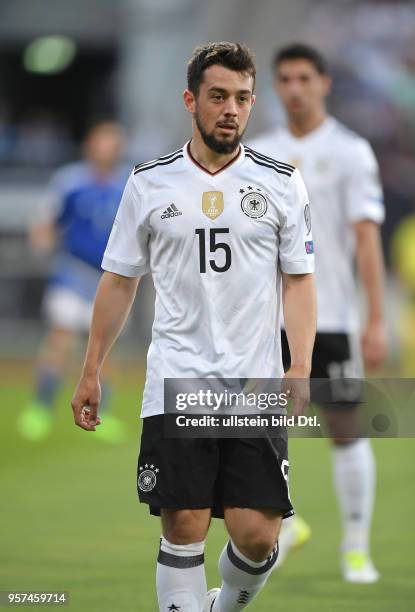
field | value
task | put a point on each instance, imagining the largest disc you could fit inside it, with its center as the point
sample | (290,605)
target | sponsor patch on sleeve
(309,247)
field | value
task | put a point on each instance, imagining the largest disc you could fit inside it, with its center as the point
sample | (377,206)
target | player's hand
(296,384)
(85,403)
(374,346)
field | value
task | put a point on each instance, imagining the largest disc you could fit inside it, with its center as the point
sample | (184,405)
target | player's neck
(102,170)
(301,126)
(208,159)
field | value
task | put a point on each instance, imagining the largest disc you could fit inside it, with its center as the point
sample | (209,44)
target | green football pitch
(70,520)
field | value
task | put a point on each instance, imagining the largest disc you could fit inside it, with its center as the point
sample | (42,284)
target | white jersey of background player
(341,176)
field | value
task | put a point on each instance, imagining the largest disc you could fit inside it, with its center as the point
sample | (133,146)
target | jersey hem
(377,216)
(119,267)
(297,267)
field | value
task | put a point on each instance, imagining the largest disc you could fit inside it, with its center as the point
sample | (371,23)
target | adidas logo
(171,211)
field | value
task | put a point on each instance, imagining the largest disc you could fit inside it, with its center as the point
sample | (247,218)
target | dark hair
(97,121)
(234,56)
(301,51)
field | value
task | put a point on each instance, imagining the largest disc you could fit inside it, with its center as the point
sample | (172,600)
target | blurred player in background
(207,325)
(76,221)
(341,175)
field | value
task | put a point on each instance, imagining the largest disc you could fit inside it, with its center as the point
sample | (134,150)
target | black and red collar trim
(232,161)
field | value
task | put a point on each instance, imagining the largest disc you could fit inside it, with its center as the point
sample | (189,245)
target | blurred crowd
(40,138)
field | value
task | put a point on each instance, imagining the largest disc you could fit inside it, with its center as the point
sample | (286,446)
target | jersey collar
(201,171)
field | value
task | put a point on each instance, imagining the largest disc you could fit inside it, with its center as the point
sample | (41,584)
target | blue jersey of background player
(85,207)
(74,224)
(80,208)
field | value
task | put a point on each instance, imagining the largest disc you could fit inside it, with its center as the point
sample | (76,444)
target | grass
(70,520)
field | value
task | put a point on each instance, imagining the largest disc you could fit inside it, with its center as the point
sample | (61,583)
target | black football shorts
(191,473)
(333,358)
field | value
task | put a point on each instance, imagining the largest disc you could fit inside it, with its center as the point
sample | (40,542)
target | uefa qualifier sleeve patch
(309,247)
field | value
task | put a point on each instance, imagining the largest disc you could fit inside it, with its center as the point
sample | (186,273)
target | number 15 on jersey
(213,246)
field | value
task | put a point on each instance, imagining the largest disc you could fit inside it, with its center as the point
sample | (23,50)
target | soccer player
(217,226)
(77,219)
(341,175)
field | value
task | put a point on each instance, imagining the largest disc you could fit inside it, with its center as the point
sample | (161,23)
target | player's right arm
(113,302)
(126,259)
(42,238)
(43,231)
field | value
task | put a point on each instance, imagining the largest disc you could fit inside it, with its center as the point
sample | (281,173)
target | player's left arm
(300,313)
(296,261)
(371,270)
(365,212)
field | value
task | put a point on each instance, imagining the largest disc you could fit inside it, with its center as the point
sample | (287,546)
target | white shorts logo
(147,479)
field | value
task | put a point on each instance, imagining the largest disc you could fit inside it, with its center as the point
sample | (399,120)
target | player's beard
(218,146)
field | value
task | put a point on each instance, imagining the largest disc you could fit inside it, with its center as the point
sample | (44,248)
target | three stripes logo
(171,211)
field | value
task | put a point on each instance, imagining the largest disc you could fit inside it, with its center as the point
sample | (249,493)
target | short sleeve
(127,251)
(364,196)
(296,248)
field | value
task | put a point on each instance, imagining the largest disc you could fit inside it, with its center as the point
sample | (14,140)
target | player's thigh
(57,346)
(185,526)
(343,425)
(175,473)
(67,310)
(254,474)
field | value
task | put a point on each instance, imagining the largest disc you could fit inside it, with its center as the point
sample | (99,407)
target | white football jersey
(215,245)
(341,175)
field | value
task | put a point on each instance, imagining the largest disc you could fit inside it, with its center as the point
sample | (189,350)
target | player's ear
(253,99)
(189,100)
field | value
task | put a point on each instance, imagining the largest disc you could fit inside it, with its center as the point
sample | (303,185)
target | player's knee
(184,526)
(257,545)
(57,345)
